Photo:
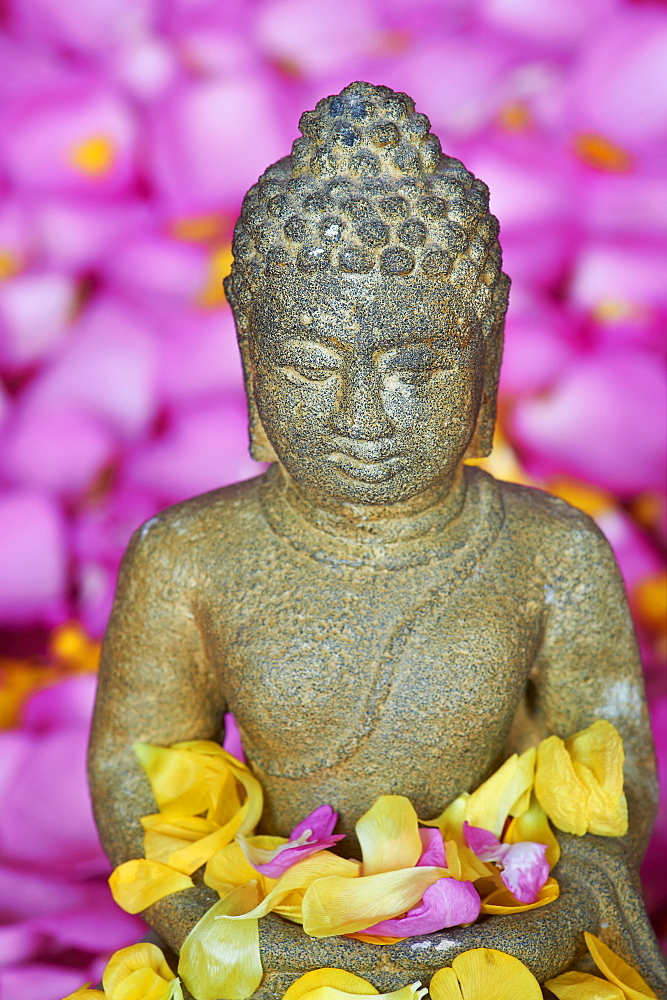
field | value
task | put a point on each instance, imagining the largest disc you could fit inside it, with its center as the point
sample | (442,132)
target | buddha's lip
(367,470)
(364,451)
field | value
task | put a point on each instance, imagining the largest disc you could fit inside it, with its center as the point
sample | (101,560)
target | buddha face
(364,385)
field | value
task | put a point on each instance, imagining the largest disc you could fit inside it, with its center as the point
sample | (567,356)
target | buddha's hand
(600,868)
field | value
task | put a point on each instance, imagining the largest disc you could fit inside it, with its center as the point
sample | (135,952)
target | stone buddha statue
(379,616)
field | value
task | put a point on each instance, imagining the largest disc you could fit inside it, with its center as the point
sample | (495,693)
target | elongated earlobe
(261,448)
(482,440)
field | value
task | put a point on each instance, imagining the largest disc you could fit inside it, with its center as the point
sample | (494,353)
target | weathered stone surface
(379,617)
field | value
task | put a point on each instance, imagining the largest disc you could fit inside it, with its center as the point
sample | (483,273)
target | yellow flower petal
(329,993)
(558,788)
(140,883)
(600,748)
(85,994)
(445,986)
(502,901)
(138,957)
(225,799)
(242,773)
(607,813)
(189,858)
(389,835)
(144,984)
(582,986)
(374,939)
(176,778)
(463,864)
(502,793)
(617,970)
(580,782)
(229,868)
(450,822)
(337,905)
(533,824)
(300,876)
(220,958)
(487,974)
(338,979)
(164,837)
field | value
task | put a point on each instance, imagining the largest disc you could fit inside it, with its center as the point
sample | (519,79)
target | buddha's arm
(588,667)
(155,686)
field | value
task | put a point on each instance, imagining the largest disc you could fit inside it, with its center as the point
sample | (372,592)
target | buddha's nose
(359,411)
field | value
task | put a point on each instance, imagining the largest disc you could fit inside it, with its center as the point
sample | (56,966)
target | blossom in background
(129,132)
(58,922)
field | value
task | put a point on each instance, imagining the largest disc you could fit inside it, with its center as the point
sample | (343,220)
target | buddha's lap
(546,939)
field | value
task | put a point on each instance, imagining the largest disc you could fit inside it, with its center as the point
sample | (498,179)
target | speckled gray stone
(379,617)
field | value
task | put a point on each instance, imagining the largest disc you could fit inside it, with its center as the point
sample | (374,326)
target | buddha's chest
(320,667)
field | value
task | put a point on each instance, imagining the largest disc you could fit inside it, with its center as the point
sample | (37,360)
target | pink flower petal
(33,557)
(43,980)
(232,741)
(485,844)
(447,903)
(525,870)
(433,853)
(320,821)
(290,856)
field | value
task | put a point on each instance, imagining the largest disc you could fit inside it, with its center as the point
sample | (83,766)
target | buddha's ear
(261,448)
(482,440)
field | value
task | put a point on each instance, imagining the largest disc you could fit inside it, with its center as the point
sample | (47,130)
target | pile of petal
(489,852)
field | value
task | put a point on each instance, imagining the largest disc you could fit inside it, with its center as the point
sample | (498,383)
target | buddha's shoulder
(227,514)
(551,530)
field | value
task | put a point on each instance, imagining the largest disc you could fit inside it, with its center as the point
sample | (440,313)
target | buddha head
(369,302)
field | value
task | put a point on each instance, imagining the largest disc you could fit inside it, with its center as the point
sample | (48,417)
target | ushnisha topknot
(366,188)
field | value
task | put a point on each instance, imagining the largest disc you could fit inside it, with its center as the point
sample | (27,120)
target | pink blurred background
(129,131)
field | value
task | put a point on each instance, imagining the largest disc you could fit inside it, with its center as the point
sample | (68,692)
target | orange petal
(502,901)
(374,938)
(582,986)
(140,883)
(389,835)
(337,905)
(339,979)
(617,970)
